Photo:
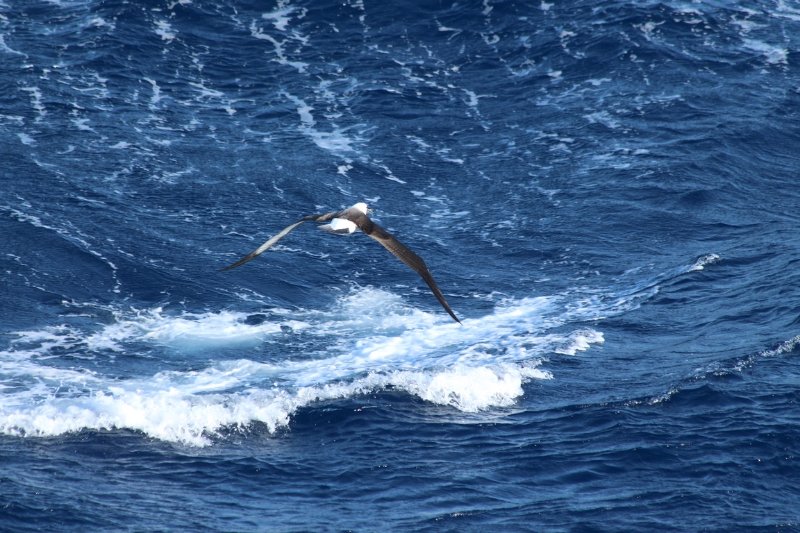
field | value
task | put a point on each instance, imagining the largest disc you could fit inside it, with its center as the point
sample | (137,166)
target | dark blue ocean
(607,192)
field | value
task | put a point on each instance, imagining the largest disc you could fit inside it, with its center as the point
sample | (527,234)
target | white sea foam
(36,102)
(156,97)
(773,54)
(704,261)
(190,330)
(282,16)
(334,141)
(603,117)
(100,22)
(26,139)
(783,348)
(280,53)
(469,389)
(81,124)
(481,365)
(784,10)
(648,28)
(165,31)
(5,48)
(206,92)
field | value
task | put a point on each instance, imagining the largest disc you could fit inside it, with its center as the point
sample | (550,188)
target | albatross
(347,221)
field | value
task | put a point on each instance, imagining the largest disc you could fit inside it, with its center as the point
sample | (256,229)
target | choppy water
(606,192)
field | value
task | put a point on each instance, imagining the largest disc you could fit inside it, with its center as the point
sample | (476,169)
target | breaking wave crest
(282,361)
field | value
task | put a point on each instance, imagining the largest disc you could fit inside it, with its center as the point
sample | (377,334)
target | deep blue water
(606,192)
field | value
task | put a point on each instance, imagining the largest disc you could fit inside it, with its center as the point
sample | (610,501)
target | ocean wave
(480,365)
(282,361)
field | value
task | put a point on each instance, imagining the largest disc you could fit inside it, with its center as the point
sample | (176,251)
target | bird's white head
(361,206)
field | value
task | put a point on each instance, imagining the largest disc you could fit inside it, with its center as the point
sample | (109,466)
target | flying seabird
(348,221)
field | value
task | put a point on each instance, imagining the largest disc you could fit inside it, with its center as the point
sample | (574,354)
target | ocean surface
(607,192)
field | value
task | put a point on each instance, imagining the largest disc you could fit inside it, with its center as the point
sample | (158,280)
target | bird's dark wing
(405,255)
(283,233)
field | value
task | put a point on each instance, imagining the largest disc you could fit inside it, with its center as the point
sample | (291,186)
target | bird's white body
(342,226)
(339,226)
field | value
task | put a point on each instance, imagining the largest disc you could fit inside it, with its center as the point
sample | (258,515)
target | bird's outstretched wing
(283,233)
(404,254)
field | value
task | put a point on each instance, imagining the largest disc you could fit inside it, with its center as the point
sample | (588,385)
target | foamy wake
(480,365)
